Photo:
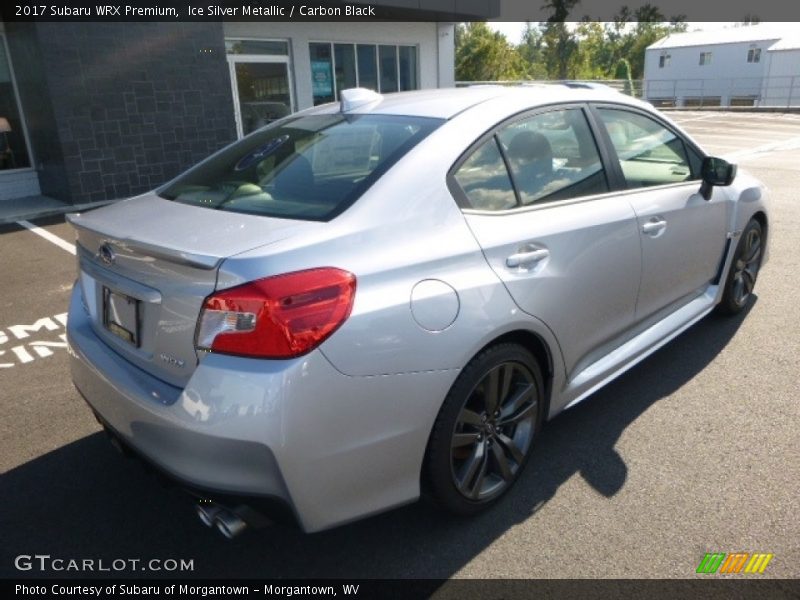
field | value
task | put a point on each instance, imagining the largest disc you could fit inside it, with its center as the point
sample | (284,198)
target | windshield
(309,168)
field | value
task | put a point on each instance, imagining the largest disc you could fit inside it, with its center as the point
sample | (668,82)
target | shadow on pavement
(85,501)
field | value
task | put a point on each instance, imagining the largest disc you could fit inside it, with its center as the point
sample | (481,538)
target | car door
(682,235)
(536,196)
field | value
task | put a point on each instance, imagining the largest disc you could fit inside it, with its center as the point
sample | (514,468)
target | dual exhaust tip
(226,522)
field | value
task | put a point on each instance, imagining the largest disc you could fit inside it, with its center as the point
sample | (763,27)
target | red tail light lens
(277,317)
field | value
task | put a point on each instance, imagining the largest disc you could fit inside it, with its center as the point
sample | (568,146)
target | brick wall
(124,107)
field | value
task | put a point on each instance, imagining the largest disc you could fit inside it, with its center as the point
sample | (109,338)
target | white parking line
(48,236)
(702,118)
(766,149)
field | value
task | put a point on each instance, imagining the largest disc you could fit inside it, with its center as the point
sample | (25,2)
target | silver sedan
(388,296)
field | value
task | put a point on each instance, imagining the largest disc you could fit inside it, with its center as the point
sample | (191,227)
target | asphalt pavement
(695,450)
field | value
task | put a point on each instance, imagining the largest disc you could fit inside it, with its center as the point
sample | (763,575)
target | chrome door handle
(654,226)
(525,258)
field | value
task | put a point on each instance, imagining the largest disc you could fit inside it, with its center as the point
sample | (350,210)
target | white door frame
(256,58)
(20,110)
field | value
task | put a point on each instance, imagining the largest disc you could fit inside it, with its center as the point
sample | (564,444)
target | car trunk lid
(146,265)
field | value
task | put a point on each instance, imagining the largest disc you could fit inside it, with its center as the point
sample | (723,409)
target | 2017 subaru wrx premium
(388,296)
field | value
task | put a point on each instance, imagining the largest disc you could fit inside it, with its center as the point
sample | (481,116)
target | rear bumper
(170,427)
(333,447)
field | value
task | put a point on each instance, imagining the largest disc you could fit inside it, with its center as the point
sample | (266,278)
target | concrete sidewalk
(34,207)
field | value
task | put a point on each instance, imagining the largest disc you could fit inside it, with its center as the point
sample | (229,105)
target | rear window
(308,168)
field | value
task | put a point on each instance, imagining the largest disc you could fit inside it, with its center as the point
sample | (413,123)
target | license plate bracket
(121,316)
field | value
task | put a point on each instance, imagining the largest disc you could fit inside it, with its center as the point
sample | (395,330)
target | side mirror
(716,171)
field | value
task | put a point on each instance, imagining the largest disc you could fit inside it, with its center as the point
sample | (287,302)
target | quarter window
(649,153)
(484,179)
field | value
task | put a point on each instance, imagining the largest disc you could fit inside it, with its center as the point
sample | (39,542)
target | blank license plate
(121,316)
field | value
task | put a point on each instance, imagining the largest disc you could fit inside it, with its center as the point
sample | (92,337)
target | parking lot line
(48,236)
(766,149)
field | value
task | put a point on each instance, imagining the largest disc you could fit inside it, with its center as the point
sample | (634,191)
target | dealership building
(99,111)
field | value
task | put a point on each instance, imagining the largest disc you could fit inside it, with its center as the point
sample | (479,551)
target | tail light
(277,317)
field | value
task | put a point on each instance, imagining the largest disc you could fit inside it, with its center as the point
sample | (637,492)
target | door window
(551,156)
(649,153)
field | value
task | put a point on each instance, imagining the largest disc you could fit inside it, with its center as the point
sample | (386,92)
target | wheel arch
(544,360)
(541,351)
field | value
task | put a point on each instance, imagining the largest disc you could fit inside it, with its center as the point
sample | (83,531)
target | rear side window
(309,168)
(547,157)
(649,153)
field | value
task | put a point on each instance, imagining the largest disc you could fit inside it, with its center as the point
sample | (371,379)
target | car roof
(446,103)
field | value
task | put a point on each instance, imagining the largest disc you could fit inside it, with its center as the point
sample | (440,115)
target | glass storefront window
(321,73)
(384,68)
(345,59)
(367,67)
(408,68)
(388,60)
(13,149)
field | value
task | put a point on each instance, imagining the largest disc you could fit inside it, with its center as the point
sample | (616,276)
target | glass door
(262,90)
(14,149)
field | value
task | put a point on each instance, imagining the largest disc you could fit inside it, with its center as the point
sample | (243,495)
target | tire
(744,270)
(481,442)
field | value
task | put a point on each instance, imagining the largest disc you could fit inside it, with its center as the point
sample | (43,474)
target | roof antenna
(353,98)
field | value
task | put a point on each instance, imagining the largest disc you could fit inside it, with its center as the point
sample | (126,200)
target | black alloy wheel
(486,429)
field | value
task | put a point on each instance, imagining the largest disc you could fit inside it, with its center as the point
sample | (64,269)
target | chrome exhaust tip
(229,525)
(208,513)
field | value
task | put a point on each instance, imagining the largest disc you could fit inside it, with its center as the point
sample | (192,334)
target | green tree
(560,43)
(638,29)
(531,51)
(594,54)
(485,55)
(556,49)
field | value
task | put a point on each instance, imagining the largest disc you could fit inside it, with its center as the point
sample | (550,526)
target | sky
(513,31)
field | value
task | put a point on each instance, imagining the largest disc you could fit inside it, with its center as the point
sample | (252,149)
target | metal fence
(781,91)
